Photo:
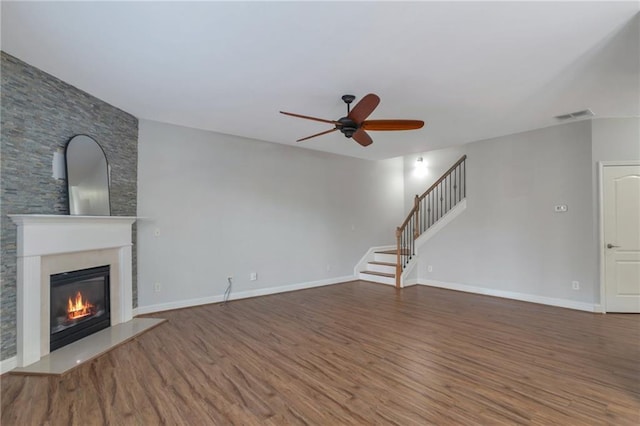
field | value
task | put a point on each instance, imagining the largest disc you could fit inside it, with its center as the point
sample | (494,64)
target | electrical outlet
(253,276)
(575,285)
(156,232)
(157,287)
(430,268)
(561,208)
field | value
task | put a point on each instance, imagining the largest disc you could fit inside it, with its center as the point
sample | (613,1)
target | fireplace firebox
(79,305)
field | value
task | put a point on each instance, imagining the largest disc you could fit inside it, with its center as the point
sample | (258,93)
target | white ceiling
(469,70)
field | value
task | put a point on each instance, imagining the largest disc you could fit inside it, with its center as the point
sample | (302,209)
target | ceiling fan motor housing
(348,127)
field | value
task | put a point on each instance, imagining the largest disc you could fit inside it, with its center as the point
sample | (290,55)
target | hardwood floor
(353,353)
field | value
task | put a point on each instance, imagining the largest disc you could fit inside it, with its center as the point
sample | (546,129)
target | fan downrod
(347,100)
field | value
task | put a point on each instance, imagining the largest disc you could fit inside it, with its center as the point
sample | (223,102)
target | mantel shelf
(28,219)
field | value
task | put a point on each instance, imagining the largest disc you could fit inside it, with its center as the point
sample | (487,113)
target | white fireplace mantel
(42,236)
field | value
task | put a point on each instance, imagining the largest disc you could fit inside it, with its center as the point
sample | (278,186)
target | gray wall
(615,139)
(227,205)
(39,115)
(509,238)
(437,162)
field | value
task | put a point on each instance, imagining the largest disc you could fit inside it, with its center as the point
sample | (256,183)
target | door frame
(601,242)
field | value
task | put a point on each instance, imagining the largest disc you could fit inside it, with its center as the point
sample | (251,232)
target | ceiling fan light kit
(354,124)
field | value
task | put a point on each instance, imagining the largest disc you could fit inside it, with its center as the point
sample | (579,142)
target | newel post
(398,261)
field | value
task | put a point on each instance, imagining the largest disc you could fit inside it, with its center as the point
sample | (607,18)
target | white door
(621,218)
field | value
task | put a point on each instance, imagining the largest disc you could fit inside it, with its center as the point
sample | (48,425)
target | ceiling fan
(355,123)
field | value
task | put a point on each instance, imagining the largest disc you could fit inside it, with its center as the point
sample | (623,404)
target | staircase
(387,265)
(382,269)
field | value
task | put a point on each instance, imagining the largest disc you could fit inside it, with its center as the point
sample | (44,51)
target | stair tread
(394,251)
(382,263)
(381,274)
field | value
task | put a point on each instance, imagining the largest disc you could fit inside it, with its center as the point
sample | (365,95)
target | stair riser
(377,279)
(383,257)
(381,268)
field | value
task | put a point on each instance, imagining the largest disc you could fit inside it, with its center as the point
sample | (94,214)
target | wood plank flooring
(353,353)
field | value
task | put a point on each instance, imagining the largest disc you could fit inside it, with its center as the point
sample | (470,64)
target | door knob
(611,245)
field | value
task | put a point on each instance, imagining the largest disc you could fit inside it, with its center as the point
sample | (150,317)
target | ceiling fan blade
(362,137)
(310,118)
(364,108)
(317,134)
(392,124)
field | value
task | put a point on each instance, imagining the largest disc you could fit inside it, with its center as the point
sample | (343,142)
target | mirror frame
(107,177)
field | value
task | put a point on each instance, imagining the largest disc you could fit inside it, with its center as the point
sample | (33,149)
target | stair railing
(427,209)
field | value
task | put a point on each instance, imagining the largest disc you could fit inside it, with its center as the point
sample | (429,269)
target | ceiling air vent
(577,114)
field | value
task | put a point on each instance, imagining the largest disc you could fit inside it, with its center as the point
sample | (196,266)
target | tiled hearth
(51,244)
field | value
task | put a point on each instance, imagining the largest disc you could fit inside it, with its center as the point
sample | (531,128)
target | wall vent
(577,114)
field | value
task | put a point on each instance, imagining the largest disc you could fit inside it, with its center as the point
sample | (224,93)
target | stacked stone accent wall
(39,114)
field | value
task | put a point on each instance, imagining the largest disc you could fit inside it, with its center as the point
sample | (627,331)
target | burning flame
(79,308)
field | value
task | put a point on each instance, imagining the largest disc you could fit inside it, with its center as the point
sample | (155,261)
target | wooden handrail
(433,209)
(406,221)
(439,181)
(444,176)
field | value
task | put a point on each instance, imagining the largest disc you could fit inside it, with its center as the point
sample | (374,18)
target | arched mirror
(87,177)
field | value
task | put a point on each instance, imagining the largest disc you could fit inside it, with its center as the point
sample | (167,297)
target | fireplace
(79,305)
(53,244)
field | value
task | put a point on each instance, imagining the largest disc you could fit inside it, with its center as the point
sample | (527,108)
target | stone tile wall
(39,114)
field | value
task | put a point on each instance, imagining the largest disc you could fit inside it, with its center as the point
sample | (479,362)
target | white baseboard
(562,303)
(179,304)
(409,283)
(7,365)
